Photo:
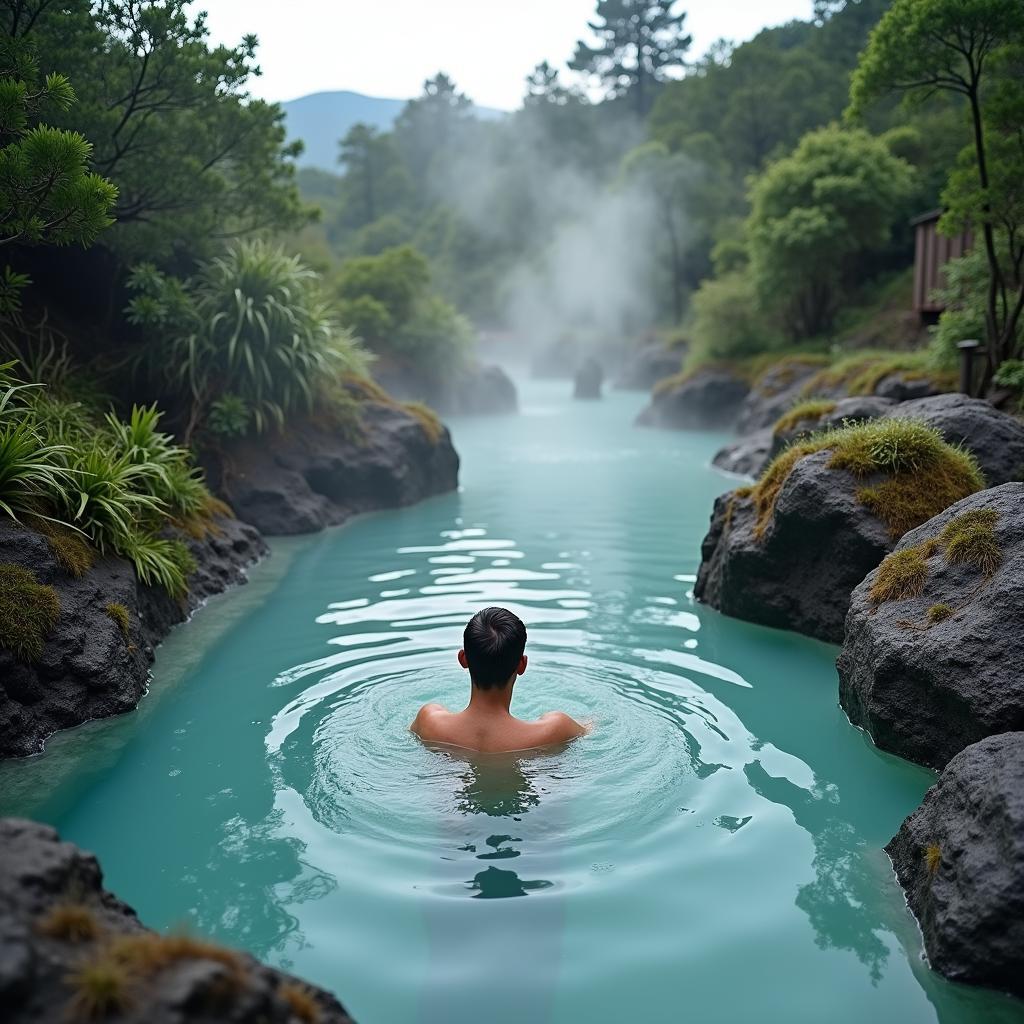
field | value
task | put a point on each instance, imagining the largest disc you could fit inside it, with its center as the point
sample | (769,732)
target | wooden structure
(932,252)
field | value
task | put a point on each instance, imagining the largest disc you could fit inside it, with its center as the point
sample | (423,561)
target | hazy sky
(388,47)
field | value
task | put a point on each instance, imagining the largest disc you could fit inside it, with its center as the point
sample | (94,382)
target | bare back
(492,732)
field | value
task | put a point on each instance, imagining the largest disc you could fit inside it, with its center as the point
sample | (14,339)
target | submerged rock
(69,949)
(95,661)
(960,860)
(995,438)
(930,672)
(647,365)
(589,378)
(819,543)
(316,475)
(709,398)
(749,455)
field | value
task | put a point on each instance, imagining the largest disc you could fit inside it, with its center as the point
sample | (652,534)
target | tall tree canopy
(639,41)
(970,48)
(196,159)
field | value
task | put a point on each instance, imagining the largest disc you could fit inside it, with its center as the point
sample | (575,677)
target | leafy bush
(113,485)
(386,301)
(252,329)
(1011,375)
(728,322)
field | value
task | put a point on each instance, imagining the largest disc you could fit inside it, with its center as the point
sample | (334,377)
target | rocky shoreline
(95,660)
(69,949)
(923,590)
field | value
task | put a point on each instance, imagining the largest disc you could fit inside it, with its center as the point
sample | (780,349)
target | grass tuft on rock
(916,473)
(28,611)
(69,922)
(71,548)
(100,987)
(862,372)
(427,419)
(932,858)
(939,613)
(148,952)
(803,412)
(120,616)
(901,574)
(301,1002)
(970,539)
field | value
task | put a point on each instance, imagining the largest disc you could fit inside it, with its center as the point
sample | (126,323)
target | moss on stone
(427,419)
(901,574)
(69,922)
(970,539)
(939,613)
(803,412)
(301,1002)
(920,474)
(100,987)
(28,611)
(120,616)
(70,547)
(861,372)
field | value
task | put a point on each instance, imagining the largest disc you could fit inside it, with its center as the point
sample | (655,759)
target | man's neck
(494,701)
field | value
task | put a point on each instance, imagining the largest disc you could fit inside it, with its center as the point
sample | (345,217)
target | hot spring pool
(711,853)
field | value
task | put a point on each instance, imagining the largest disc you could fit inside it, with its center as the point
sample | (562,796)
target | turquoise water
(712,852)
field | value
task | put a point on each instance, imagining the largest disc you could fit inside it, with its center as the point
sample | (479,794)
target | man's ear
(462,659)
(523,662)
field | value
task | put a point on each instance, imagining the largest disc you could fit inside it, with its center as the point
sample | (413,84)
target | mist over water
(712,850)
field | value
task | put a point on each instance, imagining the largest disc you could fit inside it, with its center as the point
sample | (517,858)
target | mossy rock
(789,551)
(931,666)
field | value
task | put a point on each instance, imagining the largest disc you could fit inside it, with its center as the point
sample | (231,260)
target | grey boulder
(775,391)
(817,546)
(56,919)
(923,689)
(960,860)
(89,667)
(314,476)
(996,438)
(747,456)
(708,399)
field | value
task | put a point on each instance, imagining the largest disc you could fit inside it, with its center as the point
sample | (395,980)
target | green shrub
(1011,375)
(728,322)
(253,325)
(28,611)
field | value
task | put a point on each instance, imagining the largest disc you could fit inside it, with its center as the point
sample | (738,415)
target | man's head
(492,648)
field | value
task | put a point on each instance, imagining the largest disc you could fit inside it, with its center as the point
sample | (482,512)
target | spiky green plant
(253,324)
(30,472)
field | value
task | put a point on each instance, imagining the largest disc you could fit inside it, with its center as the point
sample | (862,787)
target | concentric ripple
(346,761)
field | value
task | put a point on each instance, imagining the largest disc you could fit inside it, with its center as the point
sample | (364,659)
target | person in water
(492,650)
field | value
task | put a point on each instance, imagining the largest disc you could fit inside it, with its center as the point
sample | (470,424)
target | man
(492,650)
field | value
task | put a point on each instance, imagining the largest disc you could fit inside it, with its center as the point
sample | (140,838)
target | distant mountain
(322,118)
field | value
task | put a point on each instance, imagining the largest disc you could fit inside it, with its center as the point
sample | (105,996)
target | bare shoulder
(427,713)
(562,726)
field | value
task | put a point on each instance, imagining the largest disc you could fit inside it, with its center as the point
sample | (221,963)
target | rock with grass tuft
(995,438)
(789,552)
(934,669)
(93,960)
(960,860)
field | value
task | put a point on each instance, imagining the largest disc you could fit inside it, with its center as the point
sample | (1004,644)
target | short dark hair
(494,642)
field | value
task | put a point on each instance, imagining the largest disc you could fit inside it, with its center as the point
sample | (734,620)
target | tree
(196,159)
(639,41)
(375,181)
(543,86)
(431,125)
(818,219)
(966,47)
(48,195)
